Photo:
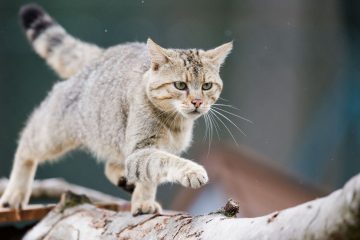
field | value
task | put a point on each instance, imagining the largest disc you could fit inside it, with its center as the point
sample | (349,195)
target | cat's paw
(145,207)
(14,199)
(194,177)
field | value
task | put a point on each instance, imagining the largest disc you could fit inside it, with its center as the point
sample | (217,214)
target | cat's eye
(180,85)
(207,86)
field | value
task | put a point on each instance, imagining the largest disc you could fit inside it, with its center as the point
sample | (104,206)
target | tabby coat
(132,105)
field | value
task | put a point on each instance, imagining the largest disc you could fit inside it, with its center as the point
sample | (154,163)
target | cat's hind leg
(17,192)
(115,173)
(39,142)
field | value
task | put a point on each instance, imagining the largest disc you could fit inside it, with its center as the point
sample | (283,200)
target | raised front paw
(145,207)
(194,176)
(14,199)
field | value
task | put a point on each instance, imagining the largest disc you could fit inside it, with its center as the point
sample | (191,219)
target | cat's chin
(192,115)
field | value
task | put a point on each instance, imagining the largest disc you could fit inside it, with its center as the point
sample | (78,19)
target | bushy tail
(64,53)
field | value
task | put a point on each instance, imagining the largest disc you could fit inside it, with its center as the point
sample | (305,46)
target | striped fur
(64,53)
(121,104)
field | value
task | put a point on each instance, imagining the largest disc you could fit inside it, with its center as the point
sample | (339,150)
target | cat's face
(185,82)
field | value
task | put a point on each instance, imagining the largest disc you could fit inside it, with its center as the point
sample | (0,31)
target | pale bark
(54,187)
(336,216)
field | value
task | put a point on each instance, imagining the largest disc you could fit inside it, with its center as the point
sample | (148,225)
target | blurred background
(294,72)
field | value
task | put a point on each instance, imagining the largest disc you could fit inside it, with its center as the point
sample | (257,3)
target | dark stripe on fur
(40,28)
(29,14)
(34,17)
(148,174)
(54,41)
(145,143)
(137,170)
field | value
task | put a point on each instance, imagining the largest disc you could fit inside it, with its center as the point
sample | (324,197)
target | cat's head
(186,82)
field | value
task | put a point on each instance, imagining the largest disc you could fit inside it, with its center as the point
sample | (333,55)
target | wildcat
(132,105)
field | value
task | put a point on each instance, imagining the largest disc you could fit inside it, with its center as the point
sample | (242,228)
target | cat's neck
(173,121)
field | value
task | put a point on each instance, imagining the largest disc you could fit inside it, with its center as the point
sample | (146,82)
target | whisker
(161,113)
(241,117)
(169,117)
(230,122)
(216,126)
(211,135)
(223,99)
(226,128)
(226,105)
(175,120)
(206,127)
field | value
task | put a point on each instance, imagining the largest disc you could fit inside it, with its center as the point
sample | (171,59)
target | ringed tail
(64,53)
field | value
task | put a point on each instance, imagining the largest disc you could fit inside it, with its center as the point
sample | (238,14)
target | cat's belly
(105,151)
(106,138)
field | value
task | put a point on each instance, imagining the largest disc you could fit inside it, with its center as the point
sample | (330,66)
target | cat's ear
(218,55)
(158,55)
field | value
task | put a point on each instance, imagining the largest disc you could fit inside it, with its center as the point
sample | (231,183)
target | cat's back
(116,71)
(106,86)
(125,60)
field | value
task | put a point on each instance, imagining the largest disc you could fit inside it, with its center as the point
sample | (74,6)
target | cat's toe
(146,207)
(195,178)
(14,200)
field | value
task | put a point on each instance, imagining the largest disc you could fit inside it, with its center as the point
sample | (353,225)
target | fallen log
(336,216)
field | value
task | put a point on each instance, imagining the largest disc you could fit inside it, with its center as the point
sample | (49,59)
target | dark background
(294,72)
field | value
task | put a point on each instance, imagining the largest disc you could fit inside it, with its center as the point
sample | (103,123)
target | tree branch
(336,216)
(55,187)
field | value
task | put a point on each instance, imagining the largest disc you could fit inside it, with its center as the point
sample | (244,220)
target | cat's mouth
(194,113)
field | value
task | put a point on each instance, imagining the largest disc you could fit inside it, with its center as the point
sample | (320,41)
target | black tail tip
(29,13)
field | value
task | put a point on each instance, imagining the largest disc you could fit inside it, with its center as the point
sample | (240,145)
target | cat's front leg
(157,166)
(143,199)
(150,167)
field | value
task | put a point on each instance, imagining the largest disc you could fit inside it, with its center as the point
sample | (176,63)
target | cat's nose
(197,102)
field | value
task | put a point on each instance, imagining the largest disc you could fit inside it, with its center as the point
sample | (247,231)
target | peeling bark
(336,216)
